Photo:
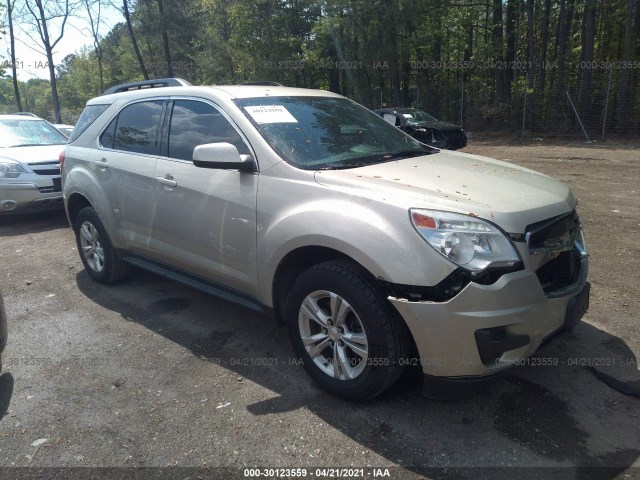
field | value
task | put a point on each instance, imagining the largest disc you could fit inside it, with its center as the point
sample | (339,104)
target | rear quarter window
(88,116)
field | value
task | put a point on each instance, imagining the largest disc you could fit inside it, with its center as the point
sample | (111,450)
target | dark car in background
(425,128)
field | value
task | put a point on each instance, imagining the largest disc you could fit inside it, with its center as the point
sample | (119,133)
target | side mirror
(223,156)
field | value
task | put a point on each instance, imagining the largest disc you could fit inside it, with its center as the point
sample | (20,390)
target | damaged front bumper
(486,330)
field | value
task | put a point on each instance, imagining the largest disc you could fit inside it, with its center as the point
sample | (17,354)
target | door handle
(167,181)
(102,164)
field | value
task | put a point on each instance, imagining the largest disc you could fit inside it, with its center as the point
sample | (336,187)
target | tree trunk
(531,73)
(52,71)
(134,42)
(12,50)
(165,39)
(512,12)
(497,37)
(624,86)
(544,40)
(394,57)
(564,36)
(468,51)
(95,33)
(530,44)
(588,35)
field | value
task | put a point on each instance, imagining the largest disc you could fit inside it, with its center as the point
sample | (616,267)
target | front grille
(561,272)
(46,168)
(52,171)
(553,235)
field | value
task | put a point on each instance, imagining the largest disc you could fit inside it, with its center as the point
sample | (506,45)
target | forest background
(527,67)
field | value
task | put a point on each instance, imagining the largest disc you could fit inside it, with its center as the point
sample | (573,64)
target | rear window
(89,115)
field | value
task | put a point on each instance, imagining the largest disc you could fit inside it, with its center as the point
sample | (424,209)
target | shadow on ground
(538,416)
(23,224)
(6,392)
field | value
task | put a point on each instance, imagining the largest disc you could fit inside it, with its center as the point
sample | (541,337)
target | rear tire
(350,339)
(101,260)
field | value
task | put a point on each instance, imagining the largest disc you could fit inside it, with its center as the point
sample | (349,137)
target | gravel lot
(151,373)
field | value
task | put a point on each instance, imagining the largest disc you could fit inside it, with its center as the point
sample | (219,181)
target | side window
(194,123)
(106,139)
(135,129)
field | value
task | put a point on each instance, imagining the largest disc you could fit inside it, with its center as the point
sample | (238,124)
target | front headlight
(10,169)
(469,242)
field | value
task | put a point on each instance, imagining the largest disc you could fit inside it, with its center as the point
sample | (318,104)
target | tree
(42,14)
(12,54)
(544,40)
(588,36)
(497,36)
(625,104)
(165,39)
(132,36)
(512,35)
(94,9)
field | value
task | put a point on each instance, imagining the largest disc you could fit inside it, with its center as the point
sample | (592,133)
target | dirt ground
(152,373)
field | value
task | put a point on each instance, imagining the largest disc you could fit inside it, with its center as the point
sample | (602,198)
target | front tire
(350,339)
(101,260)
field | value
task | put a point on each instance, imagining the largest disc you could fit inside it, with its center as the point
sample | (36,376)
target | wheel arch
(75,203)
(292,265)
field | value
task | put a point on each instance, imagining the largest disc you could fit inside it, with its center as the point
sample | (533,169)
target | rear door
(125,166)
(205,218)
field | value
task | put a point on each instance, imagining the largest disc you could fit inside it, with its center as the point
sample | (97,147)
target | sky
(31,60)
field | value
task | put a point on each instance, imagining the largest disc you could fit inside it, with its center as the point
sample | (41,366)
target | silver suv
(377,251)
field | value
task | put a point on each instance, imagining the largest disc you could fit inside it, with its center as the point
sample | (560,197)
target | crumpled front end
(486,329)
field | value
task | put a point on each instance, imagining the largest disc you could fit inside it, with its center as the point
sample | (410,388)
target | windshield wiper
(341,166)
(403,154)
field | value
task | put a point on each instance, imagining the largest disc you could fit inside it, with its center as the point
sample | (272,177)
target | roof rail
(263,84)
(157,83)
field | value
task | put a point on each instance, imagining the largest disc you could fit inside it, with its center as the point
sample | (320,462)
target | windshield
(418,117)
(20,133)
(327,133)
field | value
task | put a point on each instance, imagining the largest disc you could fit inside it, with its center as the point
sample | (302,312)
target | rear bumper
(487,329)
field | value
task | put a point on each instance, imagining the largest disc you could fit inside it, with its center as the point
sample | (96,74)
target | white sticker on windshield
(270,114)
(407,115)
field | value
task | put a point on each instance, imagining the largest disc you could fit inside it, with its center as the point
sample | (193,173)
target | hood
(33,155)
(510,196)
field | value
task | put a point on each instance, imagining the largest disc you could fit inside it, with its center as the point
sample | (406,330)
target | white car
(29,164)
(64,128)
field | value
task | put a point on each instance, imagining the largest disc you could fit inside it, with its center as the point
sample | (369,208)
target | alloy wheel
(91,246)
(333,335)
